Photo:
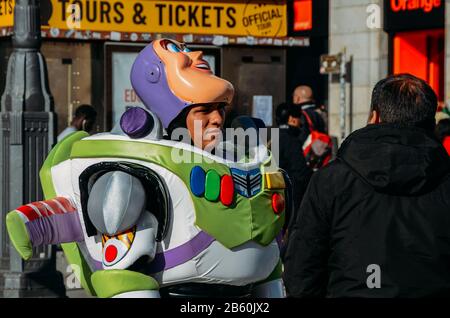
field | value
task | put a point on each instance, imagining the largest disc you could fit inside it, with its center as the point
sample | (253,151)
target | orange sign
(411,5)
(303,16)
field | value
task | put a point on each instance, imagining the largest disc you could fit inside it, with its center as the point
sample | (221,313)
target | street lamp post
(27,133)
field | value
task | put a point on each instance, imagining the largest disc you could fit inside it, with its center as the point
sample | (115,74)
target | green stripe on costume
(109,283)
(60,153)
(18,235)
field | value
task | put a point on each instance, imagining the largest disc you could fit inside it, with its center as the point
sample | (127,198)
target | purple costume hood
(148,78)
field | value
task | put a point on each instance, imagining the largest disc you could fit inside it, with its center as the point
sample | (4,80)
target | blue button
(198,181)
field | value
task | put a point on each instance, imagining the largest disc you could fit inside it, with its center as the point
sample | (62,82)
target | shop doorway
(259,79)
(421,53)
(70,78)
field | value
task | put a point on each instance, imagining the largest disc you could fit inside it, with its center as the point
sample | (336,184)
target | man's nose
(216,118)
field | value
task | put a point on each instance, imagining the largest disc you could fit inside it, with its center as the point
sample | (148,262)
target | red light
(278,203)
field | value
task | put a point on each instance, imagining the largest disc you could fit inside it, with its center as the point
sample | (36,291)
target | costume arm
(39,223)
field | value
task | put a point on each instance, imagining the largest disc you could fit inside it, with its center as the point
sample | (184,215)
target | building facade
(387,37)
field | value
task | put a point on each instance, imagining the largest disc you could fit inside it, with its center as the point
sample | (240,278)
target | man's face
(189,76)
(294,122)
(302,94)
(205,124)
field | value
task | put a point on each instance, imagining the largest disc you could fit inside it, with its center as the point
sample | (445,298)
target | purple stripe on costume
(182,253)
(279,239)
(55,229)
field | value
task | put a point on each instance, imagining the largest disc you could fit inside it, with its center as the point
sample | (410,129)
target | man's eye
(173,48)
(186,50)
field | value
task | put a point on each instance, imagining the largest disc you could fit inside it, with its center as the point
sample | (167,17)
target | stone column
(368,45)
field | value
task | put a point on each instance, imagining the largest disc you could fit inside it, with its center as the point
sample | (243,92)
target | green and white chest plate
(244,250)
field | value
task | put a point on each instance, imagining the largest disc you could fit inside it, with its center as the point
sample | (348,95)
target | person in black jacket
(292,160)
(303,98)
(376,221)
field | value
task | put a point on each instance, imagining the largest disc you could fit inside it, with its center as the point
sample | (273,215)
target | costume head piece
(168,78)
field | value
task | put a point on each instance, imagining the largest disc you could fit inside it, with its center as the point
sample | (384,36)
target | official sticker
(263,19)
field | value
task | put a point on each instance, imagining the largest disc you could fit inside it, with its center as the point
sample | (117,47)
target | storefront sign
(303,15)
(308,17)
(424,5)
(267,18)
(6,13)
(404,15)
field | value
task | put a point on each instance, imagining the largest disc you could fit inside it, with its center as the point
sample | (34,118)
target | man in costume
(139,223)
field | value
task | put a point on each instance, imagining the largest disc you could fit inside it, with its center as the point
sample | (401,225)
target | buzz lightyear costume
(135,223)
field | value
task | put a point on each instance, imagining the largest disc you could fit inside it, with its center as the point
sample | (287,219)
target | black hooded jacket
(293,161)
(380,213)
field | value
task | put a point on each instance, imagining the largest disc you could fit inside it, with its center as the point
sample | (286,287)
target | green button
(212,186)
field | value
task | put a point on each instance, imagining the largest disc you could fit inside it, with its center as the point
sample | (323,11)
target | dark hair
(178,122)
(295,111)
(87,111)
(406,100)
(443,129)
(282,114)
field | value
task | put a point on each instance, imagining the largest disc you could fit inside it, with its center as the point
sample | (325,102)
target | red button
(277,203)
(226,190)
(110,253)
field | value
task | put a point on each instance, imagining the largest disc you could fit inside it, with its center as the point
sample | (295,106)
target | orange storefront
(417,39)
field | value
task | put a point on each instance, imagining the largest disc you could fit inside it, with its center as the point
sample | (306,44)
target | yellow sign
(231,17)
(266,18)
(7,13)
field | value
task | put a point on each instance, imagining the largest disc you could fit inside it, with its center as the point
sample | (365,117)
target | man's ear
(76,122)
(374,117)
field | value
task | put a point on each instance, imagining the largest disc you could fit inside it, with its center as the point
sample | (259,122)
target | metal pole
(27,132)
(342,95)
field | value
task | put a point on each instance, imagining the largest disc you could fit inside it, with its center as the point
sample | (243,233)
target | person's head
(403,99)
(168,78)
(443,129)
(295,116)
(85,117)
(302,94)
(282,114)
(204,122)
